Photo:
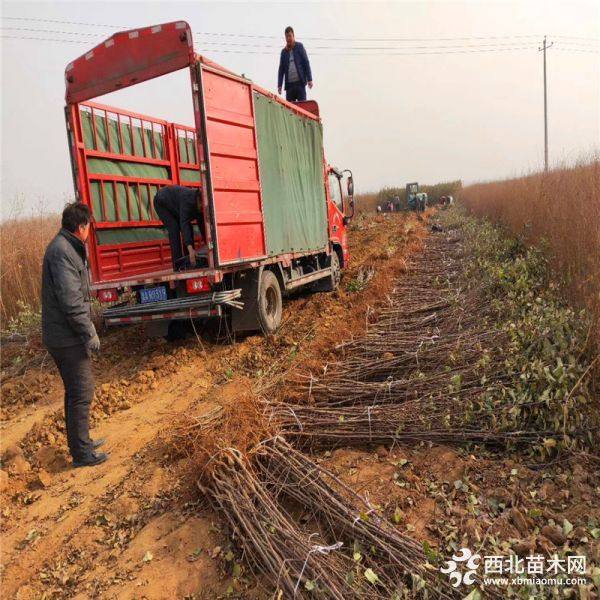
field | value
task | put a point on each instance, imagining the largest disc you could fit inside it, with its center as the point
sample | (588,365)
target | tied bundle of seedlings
(454,421)
(361,555)
(468,380)
(396,563)
(296,562)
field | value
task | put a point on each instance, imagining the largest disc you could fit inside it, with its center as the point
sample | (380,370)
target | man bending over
(177,206)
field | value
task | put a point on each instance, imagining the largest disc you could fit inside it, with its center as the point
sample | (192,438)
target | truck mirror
(351,203)
(350,187)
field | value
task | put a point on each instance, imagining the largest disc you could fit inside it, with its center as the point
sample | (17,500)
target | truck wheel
(269,302)
(332,282)
(336,271)
(177,331)
(217,330)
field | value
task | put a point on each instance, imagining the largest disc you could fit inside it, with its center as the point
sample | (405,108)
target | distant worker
(68,331)
(294,67)
(177,207)
(379,208)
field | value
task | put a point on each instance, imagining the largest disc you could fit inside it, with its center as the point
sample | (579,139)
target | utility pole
(544,47)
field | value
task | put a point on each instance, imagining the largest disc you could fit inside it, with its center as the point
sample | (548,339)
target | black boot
(96,458)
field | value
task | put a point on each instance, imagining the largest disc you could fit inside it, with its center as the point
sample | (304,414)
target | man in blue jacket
(294,67)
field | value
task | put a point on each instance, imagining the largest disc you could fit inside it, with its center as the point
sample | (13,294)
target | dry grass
(366,203)
(22,246)
(559,210)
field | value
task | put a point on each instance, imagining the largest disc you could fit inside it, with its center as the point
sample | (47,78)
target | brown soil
(447,496)
(136,527)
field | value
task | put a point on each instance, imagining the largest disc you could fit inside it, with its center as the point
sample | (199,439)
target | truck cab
(340,196)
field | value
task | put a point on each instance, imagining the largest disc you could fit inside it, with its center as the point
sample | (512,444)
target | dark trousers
(171,222)
(295,92)
(75,368)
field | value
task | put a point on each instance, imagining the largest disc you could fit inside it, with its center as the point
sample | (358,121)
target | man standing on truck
(67,328)
(177,207)
(294,67)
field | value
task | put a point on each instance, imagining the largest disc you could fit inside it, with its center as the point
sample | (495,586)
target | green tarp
(138,206)
(189,175)
(127,169)
(290,151)
(187,155)
(128,145)
(140,198)
(140,202)
(134,234)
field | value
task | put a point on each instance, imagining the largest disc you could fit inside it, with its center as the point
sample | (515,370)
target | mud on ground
(136,527)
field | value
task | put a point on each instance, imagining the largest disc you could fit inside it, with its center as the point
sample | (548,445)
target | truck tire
(177,331)
(270,303)
(331,282)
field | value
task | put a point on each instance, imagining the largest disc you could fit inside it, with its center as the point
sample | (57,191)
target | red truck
(275,216)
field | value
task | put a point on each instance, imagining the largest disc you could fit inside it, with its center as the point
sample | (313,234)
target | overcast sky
(420,109)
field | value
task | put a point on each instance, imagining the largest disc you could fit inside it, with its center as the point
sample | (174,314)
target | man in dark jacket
(67,328)
(294,67)
(177,207)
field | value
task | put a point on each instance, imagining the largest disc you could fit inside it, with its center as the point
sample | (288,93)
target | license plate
(154,294)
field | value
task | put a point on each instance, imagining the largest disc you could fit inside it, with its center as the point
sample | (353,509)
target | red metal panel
(127,260)
(228,118)
(111,261)
(310,106)
(129,57)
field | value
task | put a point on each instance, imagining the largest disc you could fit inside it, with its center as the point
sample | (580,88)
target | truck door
(336,206)
(233,182)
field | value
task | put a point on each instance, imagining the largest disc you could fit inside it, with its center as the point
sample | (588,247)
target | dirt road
(136,526)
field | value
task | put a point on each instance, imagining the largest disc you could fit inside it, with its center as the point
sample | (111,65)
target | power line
(61,22)
(575,37)
(567,49)
(383,39)
(332,39)
(218,50)
(460,51)
(211,46)
(273,37)
(28,29)
(565,46)
(39,39)
(252,45)
(578,45)
(379,48)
